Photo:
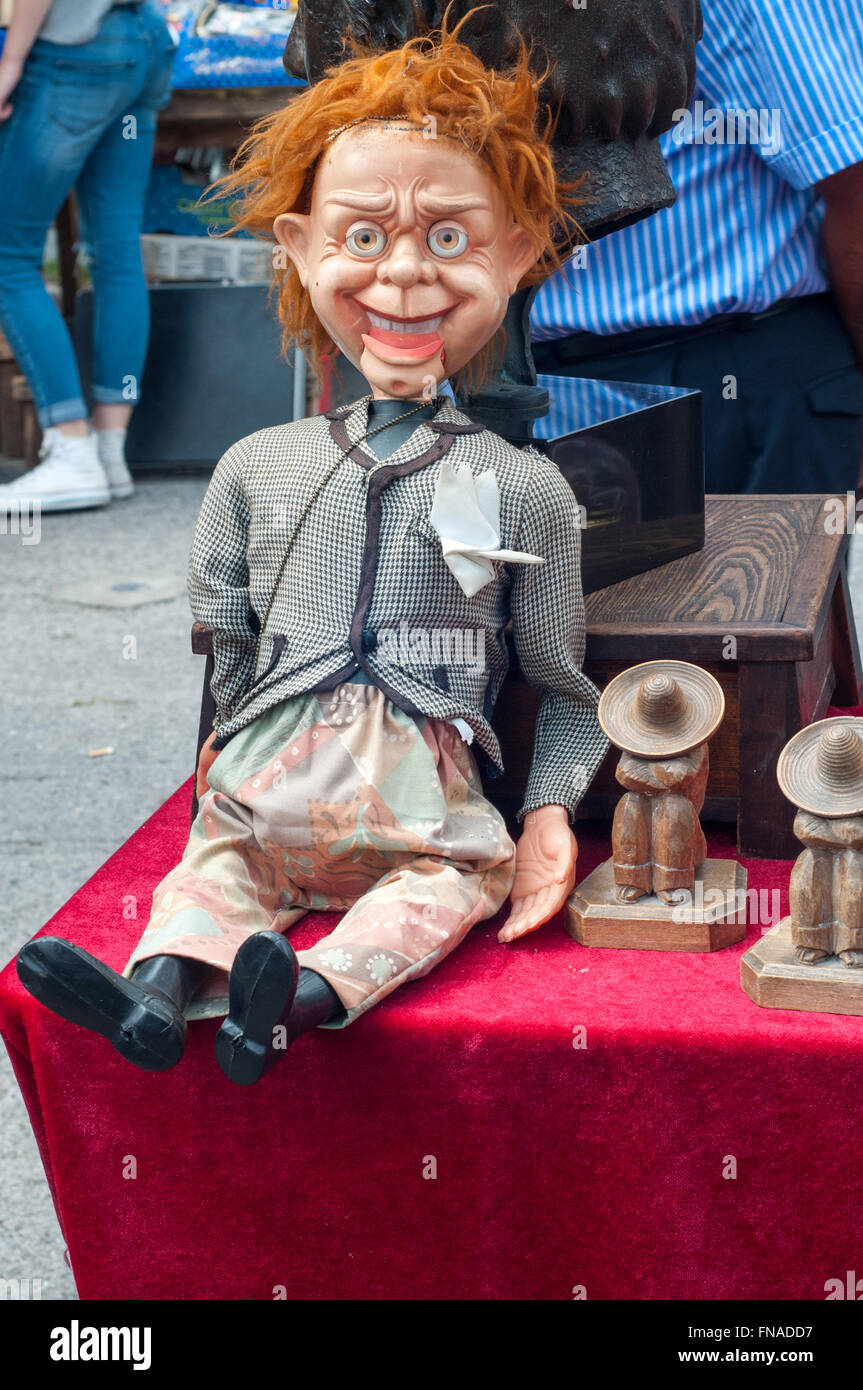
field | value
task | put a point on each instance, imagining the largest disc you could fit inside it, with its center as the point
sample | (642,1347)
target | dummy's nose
(408,263)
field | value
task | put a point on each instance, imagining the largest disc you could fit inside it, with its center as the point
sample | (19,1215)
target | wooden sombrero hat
(821,768)
(661,708)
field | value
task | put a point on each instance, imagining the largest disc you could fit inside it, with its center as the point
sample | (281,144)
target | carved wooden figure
(657,840)
(660,714)
(826,890)
(813,959)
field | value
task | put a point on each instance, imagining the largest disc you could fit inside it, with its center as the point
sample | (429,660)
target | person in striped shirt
(750,288)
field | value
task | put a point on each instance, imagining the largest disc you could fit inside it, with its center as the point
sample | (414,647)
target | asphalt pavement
(100,699)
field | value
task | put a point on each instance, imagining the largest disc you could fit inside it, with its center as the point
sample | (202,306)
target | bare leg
(73,429)
(111,417)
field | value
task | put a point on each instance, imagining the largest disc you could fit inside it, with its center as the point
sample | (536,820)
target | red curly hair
(495,115)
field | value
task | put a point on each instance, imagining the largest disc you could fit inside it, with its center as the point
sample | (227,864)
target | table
(217,117)
(764,607)
(539,1121)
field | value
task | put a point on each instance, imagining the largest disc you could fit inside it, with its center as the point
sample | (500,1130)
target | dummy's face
(409,255)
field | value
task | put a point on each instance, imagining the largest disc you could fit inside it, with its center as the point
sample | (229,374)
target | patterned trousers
(336,800)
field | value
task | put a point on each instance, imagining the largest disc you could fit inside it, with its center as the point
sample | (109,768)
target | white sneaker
(112,455)
(69,478)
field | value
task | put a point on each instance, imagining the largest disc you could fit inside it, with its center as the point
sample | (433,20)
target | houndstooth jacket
(365,585)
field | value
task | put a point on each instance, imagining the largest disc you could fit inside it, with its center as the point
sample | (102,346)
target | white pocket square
(466,515)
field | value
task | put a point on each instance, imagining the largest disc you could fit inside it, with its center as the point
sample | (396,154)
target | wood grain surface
(774,979)
(744,574)
(594,917)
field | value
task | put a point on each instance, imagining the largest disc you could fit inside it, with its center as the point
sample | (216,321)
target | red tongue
(408,340)
(397,348)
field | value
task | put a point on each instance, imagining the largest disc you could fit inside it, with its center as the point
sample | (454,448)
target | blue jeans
(84,117)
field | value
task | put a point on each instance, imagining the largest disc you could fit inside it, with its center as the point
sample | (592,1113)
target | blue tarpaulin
(229,45)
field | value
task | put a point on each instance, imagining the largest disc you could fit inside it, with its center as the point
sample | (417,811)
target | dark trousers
(782,393)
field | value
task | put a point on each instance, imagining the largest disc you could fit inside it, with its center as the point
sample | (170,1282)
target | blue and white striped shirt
(745,229)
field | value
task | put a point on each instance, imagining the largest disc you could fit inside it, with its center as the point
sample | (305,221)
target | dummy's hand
(206,758)
(545,860)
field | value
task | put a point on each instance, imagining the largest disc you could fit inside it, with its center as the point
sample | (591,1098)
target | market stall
(228,72)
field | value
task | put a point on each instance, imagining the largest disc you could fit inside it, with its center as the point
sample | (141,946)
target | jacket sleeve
(549,631)
(219,582)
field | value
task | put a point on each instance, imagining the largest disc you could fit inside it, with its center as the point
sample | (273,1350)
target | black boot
(269,991)
(142,1018)
(315,1002)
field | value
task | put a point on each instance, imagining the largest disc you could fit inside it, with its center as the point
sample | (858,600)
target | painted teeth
(400,326)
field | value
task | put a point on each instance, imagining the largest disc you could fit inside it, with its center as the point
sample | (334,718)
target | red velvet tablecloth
(454,1143)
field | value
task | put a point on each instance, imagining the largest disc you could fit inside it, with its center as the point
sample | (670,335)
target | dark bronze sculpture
(618,71)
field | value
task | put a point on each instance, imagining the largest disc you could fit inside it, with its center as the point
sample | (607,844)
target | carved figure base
(772,977)
(715,918)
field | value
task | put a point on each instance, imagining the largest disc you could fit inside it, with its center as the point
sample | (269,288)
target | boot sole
(263,983)
(72,983)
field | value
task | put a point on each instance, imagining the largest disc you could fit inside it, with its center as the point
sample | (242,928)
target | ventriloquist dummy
(359,570)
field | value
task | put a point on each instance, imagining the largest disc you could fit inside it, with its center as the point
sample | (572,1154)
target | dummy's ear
(292,230)
(523,253)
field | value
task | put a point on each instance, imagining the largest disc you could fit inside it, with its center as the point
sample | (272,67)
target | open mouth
(403,339)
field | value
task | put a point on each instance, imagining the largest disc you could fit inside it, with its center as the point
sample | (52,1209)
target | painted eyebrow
(429,205)
(362,202)
(450,207)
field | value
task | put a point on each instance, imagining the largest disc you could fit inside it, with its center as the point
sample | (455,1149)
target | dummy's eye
(366,239)
(446,240)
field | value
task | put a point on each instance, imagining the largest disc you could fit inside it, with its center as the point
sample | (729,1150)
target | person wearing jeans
(81,82)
